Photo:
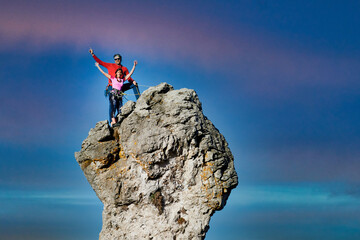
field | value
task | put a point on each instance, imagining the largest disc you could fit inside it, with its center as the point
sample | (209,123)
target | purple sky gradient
(279,79)
(266,67)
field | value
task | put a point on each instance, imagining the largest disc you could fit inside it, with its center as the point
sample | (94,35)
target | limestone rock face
(163,172)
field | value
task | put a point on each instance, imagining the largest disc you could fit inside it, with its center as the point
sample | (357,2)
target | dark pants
(125,87)
(128,86)
(115,105)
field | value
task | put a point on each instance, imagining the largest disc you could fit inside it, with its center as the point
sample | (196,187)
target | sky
(279,79)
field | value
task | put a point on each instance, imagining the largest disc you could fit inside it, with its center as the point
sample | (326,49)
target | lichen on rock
(162,172)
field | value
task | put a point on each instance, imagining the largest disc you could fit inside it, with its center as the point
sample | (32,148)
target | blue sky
(279,79)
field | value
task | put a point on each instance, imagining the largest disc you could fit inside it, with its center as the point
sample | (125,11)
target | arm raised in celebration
(102,71)
(132,71)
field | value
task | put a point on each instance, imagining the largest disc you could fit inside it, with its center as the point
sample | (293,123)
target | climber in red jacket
(112,67)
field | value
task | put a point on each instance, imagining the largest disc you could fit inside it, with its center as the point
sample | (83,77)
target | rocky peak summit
(162,172)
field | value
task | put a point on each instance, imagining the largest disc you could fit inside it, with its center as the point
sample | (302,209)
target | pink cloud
(304,163)
(176,37)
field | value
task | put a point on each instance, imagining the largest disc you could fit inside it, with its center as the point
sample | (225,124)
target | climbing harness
(117,93)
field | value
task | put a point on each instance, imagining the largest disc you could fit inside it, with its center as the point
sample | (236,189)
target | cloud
(251,60)
(306,194)
(60,197)
(350,190)
(301,163)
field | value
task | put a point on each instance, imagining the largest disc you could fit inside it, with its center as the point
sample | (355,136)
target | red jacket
(112,67)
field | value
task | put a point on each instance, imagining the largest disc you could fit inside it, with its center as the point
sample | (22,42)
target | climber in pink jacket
(117,83)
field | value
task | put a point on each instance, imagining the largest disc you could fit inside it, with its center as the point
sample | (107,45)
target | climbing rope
(125,97)
(131,94)
(144,85)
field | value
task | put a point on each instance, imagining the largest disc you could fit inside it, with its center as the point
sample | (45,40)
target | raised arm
(104,64)
(132,71)
(105,74)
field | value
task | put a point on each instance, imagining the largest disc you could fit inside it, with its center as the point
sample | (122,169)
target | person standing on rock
(117,83)
(112,67)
